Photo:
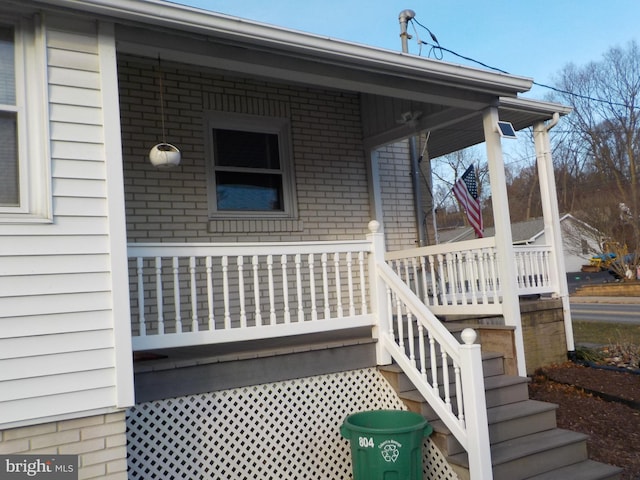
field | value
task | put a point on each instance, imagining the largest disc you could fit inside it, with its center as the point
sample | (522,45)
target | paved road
(606,312)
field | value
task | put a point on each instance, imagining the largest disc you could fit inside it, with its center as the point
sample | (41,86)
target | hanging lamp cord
(164,134)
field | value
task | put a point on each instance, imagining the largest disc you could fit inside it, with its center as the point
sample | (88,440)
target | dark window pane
(7,67)
(9,192)
(234,148)
(249,191)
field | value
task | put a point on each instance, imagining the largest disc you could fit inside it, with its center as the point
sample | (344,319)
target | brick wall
(397,196)
(99,441)
(545,341)
(171,205)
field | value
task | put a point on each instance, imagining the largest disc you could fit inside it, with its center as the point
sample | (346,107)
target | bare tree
(603,142)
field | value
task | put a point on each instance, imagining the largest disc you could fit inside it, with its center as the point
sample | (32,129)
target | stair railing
(447,374)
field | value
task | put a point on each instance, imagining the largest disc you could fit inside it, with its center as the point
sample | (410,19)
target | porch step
(524,457)
(492,365)
(586,470)
(525,440)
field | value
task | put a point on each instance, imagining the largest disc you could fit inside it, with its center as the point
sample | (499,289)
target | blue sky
(533,38)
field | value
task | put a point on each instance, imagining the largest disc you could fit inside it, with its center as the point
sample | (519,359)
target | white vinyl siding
(58,340)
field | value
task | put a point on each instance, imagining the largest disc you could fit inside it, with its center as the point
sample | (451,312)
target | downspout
(404,18)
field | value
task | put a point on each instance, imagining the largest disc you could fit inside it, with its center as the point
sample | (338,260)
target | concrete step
(492,365)
(586,470)
(524,457)
(499,390)
(514,420)
(525,440)
(505,389)
(506,422)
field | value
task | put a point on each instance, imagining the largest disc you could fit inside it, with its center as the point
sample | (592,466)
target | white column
(504,241)
(552,231)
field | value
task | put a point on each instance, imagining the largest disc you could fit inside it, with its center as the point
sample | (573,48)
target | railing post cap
(374,226)
(469,336)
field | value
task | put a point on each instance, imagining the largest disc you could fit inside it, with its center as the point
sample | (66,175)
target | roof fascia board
(160,13)
(546,109)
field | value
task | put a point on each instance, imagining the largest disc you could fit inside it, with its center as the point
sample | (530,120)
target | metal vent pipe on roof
(404,18)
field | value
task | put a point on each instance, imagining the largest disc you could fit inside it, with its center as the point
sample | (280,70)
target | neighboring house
(579,240)
(220,318)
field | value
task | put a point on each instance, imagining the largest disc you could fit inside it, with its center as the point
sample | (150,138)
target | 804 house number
(366,442)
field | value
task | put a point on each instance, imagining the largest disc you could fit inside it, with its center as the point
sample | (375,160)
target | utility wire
(436,47)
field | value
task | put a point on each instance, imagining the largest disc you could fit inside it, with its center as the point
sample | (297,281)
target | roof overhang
(454,96)
(164,16)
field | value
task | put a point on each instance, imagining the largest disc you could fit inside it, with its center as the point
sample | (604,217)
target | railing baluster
(256,290)
(445,379)
(422,352)
(272,303)
(416,283)
(194,295)
(142,326)
(459,400)
(225,292)
(159,299)
(390,303)
(363,290)
(472,268)
(241,293)
(210,304)
(338,286)
(298,262)
(425,284)
(325,286)
(434,364)
(399,322)
(176,293)
(482,269)
(443,280)
(285,289)
(464,288)
(547,268)
(312,287)
(410,337)
(453,287)
(352,306)
(494,277)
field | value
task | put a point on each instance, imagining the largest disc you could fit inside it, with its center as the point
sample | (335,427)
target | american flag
(466,191)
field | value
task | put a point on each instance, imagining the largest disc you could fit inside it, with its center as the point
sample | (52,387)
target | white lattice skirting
(287,429)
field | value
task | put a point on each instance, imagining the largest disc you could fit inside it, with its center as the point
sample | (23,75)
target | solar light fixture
(506,130)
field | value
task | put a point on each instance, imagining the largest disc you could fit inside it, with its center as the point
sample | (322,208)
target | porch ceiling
(451,129)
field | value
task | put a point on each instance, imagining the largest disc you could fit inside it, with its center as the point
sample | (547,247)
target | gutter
(189,19)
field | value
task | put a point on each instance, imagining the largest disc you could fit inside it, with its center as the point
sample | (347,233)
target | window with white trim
(25,182)
(250,171)
(9,180)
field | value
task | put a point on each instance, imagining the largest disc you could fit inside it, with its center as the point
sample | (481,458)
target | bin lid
(382,421)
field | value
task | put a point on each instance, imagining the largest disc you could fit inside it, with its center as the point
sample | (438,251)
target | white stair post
(475,408)
(378,292)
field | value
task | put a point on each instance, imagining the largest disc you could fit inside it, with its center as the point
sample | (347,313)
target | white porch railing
(189,294)
(450,278)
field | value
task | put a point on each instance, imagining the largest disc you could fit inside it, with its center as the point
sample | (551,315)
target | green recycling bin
(386,444)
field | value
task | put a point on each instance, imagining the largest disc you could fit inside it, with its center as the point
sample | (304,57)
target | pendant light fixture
(163,155)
